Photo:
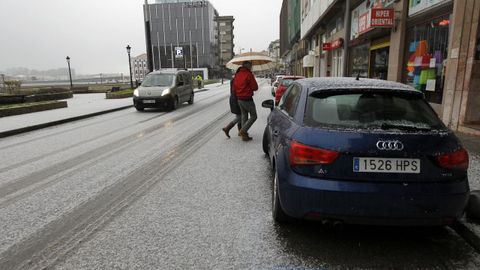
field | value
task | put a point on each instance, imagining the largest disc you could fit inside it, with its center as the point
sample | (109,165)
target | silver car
(164,89)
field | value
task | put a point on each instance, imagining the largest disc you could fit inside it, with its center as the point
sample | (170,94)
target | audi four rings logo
(390,145)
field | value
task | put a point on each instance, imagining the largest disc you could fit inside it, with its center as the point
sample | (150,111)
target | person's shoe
(227,130)
(245,136)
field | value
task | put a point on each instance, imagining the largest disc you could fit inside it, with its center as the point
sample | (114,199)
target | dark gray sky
(39,34)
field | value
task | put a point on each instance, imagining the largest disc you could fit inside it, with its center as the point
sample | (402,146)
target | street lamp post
(130,65)
(69,72)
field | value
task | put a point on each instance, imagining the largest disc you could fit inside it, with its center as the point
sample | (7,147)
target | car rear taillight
(306,155)
(457,160)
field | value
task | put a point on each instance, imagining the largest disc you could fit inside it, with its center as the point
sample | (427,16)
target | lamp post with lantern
(69,72)
(130,65)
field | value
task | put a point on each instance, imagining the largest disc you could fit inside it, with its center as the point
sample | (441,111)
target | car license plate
(386,165)
(149,101)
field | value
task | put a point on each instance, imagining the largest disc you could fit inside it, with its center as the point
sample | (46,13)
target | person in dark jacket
(244,86)
(235,109)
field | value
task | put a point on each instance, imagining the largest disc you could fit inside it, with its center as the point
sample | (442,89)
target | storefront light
(444,22)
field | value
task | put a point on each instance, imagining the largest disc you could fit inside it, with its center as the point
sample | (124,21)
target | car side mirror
(268,104)
(275,84)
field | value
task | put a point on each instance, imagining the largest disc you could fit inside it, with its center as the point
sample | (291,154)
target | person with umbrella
(244,86)
(235,109)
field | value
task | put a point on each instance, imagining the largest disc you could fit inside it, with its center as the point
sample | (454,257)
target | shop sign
(363,23)
(375,18)
(382,17)
(363,15)
(418,6)
(328,46)
(379,3)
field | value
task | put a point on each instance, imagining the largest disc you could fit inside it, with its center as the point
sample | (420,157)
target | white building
(139,67)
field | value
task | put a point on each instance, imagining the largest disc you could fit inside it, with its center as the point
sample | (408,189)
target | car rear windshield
(158,80)
(371,110)
(287,82)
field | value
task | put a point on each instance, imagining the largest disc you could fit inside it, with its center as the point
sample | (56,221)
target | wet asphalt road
(159,190)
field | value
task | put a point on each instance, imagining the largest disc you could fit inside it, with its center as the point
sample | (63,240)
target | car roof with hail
(344,83)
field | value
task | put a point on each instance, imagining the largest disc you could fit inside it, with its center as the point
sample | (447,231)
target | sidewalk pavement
(81,106)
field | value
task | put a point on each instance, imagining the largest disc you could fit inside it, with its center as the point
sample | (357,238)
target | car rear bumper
(160,102)
(398,204)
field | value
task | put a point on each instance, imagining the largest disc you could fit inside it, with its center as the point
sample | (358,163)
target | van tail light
(457,160)
(306,155)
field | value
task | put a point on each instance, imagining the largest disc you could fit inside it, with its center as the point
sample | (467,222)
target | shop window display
(427,51)
(379,63)
(359,61)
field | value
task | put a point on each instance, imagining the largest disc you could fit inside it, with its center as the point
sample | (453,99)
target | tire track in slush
(53,242)
(84,126)
(12,191)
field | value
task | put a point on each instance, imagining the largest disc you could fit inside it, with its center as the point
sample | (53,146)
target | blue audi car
(363,151)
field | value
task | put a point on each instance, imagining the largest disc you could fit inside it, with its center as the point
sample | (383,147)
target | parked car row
(363,151)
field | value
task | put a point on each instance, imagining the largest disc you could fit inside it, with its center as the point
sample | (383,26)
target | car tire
(140,109)
(473,207)
(279,216)
(190,101)
(265,143)
(174,104)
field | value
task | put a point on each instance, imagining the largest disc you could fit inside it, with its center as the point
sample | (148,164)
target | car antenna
(358,77)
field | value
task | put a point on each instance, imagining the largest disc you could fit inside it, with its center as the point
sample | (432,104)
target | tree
(12,86)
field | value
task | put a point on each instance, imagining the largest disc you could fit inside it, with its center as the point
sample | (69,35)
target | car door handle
(276,133)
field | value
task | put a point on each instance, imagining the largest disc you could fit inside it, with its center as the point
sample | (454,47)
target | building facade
(139,67)
(183,34)
(432,45)
(225,34)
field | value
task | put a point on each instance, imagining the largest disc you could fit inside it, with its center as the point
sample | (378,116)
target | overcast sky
(39,34)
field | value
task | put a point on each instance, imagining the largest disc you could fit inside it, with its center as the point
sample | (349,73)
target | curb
(467,234)
(58,122)
(33,108)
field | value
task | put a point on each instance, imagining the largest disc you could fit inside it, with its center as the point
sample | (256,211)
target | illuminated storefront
(427,48)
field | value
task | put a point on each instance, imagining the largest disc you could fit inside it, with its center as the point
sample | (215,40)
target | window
(158,80)
(359,61)
(426,56)
(337,63)
(373,110)
(289,101)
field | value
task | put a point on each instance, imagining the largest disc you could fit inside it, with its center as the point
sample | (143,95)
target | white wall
(315,9)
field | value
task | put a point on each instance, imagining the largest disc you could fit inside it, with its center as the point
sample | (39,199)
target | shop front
(335,57)
(379,54)
(426,55)
(369,50)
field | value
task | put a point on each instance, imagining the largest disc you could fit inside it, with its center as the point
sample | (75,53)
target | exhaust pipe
(338,225)
(327,222)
